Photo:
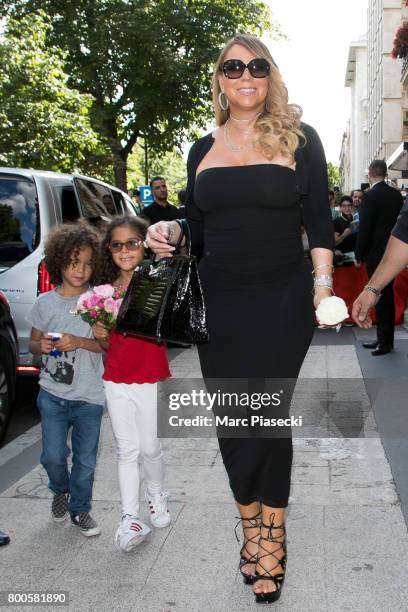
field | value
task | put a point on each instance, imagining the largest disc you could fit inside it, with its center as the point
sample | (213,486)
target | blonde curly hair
(277,129)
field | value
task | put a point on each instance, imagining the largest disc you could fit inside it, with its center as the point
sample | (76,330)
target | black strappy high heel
(278,578)
(245,556)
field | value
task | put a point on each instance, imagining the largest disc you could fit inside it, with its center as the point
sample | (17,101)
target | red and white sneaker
(130,533)
(157,504)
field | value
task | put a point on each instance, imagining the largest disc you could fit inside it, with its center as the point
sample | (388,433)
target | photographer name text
(225,421)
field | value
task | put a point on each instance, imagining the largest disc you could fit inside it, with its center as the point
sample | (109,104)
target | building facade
(398,159)
(384,94)
(379,118)
(345,161)
(353,155)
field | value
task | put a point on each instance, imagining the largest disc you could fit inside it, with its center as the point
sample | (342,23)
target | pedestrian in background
(71,393)
(345,227)
(378,214)
(161,209)
(137,201)
(357,197)
(335,210)
(395,259)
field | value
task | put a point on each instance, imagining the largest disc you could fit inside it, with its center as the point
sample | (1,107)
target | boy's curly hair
(63,245)
(108,270)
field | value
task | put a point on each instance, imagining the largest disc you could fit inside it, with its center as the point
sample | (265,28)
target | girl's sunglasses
(259,68)
(131,245)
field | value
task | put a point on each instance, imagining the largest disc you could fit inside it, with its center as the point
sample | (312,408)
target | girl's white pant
(133,413)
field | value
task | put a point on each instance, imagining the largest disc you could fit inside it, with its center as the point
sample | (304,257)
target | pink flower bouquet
(100,304)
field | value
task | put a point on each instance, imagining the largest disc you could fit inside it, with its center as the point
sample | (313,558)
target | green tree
(333,172)
(171,165)
(146,64)
(43,122)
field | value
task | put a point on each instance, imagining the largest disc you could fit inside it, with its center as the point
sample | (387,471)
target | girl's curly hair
(108,271)
(64,242)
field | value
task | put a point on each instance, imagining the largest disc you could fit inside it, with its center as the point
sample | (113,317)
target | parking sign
(146,194)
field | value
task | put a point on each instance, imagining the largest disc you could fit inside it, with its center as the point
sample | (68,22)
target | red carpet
(348,282)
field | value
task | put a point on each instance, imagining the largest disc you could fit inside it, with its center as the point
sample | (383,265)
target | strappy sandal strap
(280,561)
(254,523)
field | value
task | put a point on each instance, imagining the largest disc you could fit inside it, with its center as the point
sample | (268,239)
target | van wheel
(5,401)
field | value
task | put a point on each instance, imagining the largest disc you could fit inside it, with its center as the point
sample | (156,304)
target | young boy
(71,394)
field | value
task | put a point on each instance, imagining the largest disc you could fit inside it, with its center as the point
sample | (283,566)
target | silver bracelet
(325,286)
(324,280)
(374,290)
(323,266)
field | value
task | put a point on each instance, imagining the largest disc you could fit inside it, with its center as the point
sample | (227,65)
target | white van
(31,203)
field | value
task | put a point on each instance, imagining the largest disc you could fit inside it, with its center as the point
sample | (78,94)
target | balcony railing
(404,66)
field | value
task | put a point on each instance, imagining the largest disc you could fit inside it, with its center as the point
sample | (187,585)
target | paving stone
(347,540)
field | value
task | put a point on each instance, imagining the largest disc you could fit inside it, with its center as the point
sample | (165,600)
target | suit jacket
(378,214)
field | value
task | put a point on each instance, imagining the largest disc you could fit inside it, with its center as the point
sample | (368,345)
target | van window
(96,200)
(120,205)
(68,202)
(130,207)
(19,219)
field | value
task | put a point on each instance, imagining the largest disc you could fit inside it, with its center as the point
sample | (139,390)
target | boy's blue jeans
(57,416)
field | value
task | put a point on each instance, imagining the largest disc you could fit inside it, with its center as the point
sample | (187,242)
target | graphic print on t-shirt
(61,369)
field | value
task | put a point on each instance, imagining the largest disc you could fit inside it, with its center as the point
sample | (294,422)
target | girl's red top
(135,360)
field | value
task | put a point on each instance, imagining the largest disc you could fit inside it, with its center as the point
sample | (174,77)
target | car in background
(8,364)
(31,203)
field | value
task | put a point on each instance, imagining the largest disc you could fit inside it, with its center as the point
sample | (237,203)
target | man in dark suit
(161,209)
(377,216)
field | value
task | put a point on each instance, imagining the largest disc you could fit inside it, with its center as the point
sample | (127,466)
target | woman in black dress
(252,183)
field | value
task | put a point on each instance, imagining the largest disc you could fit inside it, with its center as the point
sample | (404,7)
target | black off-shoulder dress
(245,223)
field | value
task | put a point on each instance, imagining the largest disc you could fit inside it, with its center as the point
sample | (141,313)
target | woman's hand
(100,332)
(320,293)
(161,236)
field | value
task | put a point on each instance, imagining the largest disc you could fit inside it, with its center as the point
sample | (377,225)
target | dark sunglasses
(259,68)
(131,245)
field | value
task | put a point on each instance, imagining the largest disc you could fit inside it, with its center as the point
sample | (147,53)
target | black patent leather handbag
(164,299)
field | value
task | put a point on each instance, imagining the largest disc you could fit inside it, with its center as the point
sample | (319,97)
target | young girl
(132,368)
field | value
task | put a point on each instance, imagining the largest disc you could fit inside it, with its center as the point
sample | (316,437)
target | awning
(399,159)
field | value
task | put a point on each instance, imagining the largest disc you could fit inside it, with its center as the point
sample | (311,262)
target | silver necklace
(232,146)
(244,120)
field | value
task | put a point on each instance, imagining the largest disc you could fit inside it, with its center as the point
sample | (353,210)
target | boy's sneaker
(59,507)
(87,525)
(159,514)
(130,533)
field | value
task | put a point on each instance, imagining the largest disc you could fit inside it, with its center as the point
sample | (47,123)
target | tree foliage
(147,64)
(333,172)
(43,122)
(171,165)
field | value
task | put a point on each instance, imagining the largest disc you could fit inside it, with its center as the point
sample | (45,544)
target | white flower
(104,291)
(331,311)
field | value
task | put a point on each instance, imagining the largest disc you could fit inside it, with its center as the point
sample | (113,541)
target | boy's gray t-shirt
(74,375)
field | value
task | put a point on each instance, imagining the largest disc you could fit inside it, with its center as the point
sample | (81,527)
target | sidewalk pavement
(347,539)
